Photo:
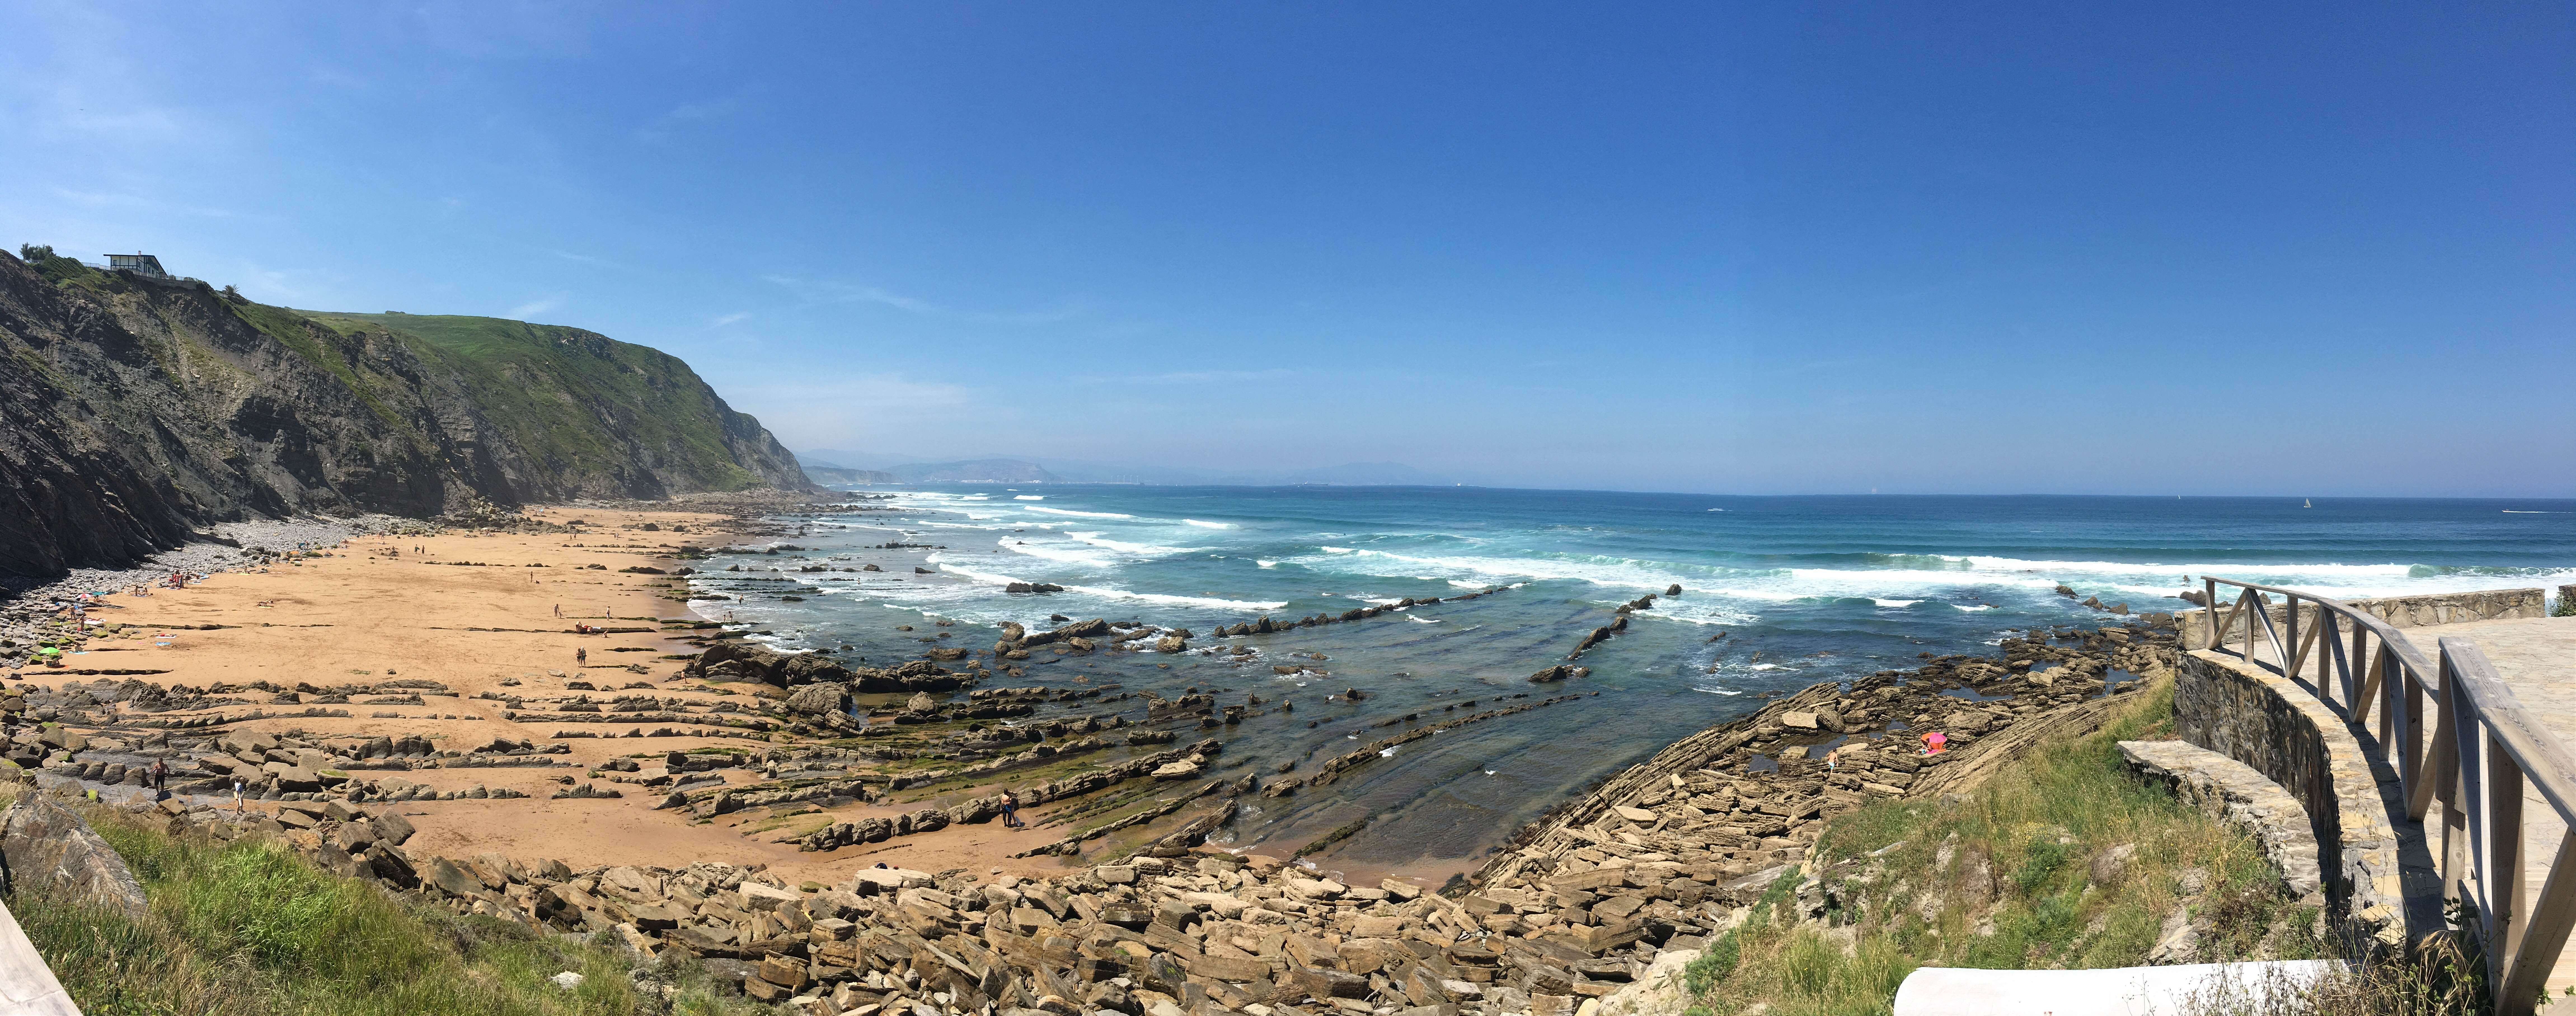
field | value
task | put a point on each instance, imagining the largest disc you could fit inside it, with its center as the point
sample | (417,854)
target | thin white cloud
(737,316)
(337,78)
(583,258)
(1039,317)
(533,308)
(126,199)
(830,413)
(660,127)
(818,293)
(1199,377)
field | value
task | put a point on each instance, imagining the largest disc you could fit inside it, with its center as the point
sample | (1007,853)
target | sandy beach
(493,615)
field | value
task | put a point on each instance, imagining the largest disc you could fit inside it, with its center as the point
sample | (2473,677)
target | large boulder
(1093,628)
(736,661)
(45,846)
(918,675)
(819,699)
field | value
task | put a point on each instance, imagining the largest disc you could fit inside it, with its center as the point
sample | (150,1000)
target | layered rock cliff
(138,410)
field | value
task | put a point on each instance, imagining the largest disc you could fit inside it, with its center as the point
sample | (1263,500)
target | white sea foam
(1425,620)
(1182,601)
(1337,550)
(1894,603)
(1972,607)
(1207,525)
(1386,753)
(1265,564)
(1140,549)
(1087,515)
(1716,691)
(1219,603)
(1054,552)
(1030,497)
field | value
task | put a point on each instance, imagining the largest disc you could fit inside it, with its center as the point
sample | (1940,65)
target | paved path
(2536,656)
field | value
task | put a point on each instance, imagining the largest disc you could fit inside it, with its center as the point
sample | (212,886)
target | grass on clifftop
(2018,875)
(576,400)
(249,927)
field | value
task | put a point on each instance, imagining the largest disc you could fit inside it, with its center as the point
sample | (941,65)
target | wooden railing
(2473,759)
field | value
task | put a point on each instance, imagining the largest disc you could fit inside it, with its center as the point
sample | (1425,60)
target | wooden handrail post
(2501,865)
(2544,936)
(2209,601)
(2292,652)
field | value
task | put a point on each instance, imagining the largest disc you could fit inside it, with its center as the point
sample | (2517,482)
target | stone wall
(2398,611)
(2284,733)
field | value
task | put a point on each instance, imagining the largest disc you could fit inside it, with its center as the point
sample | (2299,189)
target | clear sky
(1754,248)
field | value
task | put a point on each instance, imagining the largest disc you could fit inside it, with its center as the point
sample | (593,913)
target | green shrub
(1714,963)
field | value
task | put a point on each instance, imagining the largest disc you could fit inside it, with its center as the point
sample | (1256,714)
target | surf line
(1265,625)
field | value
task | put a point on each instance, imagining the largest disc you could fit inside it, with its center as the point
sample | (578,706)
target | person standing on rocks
(160,777)
(237,795)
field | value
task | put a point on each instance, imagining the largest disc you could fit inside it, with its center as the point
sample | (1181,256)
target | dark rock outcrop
(726,661)
(45,847)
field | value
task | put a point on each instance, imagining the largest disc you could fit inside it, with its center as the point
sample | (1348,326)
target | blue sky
(2319,249)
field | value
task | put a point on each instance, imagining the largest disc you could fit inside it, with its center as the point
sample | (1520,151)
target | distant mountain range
(835,474)
(827,465)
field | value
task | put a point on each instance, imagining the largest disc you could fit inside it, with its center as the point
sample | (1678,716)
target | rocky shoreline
(1581,905)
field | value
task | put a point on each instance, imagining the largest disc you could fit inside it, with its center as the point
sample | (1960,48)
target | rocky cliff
(139,410)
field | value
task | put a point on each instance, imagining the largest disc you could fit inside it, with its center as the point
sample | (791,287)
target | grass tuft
(250,927)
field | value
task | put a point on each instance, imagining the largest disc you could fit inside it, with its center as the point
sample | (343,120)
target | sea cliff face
(138,410)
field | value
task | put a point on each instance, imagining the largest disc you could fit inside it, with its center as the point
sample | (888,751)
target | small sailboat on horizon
(2305,503)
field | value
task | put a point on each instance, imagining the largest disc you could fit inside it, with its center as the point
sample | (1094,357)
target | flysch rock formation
(1587,903)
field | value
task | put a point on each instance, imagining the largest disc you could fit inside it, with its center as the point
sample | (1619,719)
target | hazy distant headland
(837,465)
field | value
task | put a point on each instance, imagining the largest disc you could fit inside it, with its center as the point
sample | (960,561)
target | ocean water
(1778,593)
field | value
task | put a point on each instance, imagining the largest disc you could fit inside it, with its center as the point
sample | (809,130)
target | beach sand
(386,607)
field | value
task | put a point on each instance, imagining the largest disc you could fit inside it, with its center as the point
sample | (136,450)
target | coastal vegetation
(2067,862)
(249,926)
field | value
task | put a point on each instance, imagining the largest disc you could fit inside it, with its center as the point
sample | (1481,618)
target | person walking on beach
(1011,811)
(558,610)
(581,656)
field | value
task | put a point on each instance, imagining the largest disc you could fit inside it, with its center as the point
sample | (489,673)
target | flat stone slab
(2232,792)
(2115,991)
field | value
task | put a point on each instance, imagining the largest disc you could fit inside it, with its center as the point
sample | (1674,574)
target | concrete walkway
(2536,656)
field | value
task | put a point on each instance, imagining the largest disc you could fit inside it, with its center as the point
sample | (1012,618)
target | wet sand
(381,608)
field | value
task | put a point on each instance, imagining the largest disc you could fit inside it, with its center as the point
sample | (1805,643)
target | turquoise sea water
(1805,589)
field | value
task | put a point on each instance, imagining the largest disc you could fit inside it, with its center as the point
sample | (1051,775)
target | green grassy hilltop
(142,408)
